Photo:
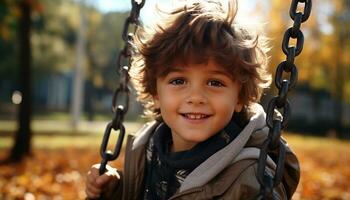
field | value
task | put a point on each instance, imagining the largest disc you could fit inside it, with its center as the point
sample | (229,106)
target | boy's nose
(196,96)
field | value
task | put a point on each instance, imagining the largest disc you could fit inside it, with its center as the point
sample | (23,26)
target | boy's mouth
(195,115)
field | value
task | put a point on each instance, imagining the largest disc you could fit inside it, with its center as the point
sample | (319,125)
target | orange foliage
(60,174)
(48,174)
(325,173)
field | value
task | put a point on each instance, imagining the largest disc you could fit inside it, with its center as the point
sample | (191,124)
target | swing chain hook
(120,101)
(275,121)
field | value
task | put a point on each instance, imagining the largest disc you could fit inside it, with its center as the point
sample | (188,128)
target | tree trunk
(22,144)
(78,81)
(339,87)
(339,100)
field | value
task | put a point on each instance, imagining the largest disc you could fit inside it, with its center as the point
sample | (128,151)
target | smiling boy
(200,75)
(196,102)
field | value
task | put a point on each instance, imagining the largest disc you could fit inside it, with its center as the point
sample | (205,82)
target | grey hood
(232,153)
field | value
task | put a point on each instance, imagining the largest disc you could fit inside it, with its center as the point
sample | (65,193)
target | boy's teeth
(195,116)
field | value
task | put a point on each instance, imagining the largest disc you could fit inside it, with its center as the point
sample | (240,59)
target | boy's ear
(156,101)
(238,107)
(239,104)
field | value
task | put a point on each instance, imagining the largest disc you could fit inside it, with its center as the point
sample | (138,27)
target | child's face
(196,102)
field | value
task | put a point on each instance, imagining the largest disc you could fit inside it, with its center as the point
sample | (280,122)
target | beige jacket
(230,173)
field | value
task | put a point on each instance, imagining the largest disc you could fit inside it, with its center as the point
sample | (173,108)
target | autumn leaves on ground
(59,163)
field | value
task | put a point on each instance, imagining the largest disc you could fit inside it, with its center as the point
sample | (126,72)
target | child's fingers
(92,176)
(93,189)
(90,196)
(92,192)
(95,169)
(102,180)
(96,184)
(110,175)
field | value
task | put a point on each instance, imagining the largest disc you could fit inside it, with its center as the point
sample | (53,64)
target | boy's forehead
(209,65)
(190,61)
(181,65)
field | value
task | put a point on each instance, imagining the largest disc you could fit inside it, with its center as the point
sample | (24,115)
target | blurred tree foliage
(54,35)
(339,45)
(104,42)
(323,64)
(9,14)
(326,46)
(53,38)
(52,27)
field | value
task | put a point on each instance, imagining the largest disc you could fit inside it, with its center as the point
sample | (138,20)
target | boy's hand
(96,184)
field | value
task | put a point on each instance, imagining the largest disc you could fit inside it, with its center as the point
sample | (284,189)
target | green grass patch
(6,142)
(307,142)
(65,127)
(59,134)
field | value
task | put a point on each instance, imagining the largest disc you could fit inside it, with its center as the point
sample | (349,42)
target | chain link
(281,103)
(120,101)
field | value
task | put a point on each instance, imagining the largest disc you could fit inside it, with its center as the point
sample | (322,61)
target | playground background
(65,136)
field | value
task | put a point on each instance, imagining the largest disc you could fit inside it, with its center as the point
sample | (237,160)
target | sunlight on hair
(249,13)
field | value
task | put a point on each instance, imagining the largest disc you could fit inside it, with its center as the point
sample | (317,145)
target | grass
(306,142)
(60,134)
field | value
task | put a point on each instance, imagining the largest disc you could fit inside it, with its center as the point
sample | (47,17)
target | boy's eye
(215,83)
(177,81)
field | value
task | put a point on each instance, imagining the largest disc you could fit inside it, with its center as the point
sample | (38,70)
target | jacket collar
(223,158)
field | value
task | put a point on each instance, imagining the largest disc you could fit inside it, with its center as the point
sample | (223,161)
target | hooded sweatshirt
(166,170)
(230,173)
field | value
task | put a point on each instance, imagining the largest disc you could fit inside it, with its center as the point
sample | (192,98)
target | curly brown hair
(195,33)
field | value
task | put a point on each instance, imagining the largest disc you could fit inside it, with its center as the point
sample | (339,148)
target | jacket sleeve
(247,186)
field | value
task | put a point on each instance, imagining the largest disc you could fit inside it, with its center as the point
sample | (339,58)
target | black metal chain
(281,103)
(122,93)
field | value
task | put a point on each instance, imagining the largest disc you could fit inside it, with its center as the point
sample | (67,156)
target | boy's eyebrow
(181,69)
(176,69)
(172,69)
(219,72)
